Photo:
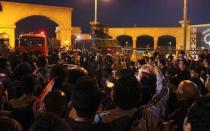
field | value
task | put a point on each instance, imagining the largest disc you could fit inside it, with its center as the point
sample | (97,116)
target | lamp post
(96,12)
(185,24)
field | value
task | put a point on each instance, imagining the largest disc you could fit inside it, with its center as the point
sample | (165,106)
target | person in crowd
(22,69)
(72,76)
(4,67)
(3,97)
(56,102)
(206,64)
(184,73)
(6,76)
(86,100)
(49,122)
(207,83)
(187,93)
(126,96)
(9,124)
(108,78)
(197,118)
(172,103)
(58,74)
(155,97)
(195,77)
(57,79)
(42,71)
(22,107)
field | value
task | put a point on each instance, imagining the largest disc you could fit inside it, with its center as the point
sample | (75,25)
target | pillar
(134,42)
(64,35)
(134,54)
(156,42)
(179,42)
(188,39)
(10,30)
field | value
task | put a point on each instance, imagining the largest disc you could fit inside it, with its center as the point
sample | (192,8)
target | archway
(36,24)
(125,41)
(145,42)
(13,12)
(167,42)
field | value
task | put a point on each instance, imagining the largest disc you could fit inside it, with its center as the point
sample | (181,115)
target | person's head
(126,93)
(49,122)
(74,74)
(198,116)
(142,62)
(182,64)
(170,72)
(58,73)
(41,61)
(147,80)
(206,63)
(187,90)
(195,72)
(86,97)
(8,124)
(173,83)
(3,63)
(28,84)
(56,102)
(205,52)
(23,68)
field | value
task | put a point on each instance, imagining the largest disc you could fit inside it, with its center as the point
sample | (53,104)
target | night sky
(122,13)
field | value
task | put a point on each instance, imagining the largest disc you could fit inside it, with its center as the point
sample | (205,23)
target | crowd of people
(86,91)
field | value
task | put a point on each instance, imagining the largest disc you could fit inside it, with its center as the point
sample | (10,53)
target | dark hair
(86,97)
(142,62)
(125,73)
(41,61)
(49,122)
(174,81)
(3,62)
(28,83)
(106,72)
(58,72)
(73,75)
(184,61)
(126,93)
(21,69)
(8,124)
(196,69)
(148,83)
(199,114)
(56,102)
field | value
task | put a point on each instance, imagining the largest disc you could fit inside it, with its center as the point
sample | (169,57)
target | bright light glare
(42,32)
(78,37)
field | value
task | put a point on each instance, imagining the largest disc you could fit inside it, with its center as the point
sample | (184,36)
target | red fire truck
(33,43)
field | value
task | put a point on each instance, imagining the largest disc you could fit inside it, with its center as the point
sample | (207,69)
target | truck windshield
(32,41)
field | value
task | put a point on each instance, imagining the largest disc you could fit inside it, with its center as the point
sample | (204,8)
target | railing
(141,51)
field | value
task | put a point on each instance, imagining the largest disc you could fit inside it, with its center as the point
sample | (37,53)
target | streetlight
(170,45)
(185,23)
(96,12)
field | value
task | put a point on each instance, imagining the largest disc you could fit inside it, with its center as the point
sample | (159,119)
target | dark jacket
(179,114)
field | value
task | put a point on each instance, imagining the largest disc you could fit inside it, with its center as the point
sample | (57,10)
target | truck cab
(36,43)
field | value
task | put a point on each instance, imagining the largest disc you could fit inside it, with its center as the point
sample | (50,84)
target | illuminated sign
(206,36)
(200,37)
